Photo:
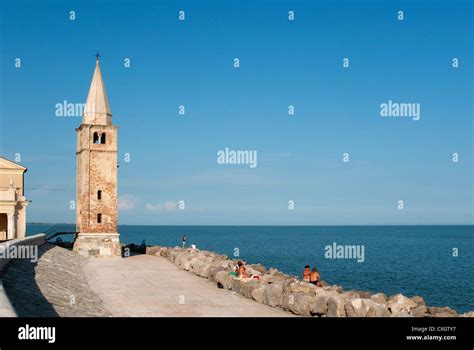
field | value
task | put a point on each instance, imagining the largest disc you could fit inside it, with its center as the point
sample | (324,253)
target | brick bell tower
(96,176)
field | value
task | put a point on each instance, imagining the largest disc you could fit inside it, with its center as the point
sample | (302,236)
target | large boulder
(224,280)
(374,309)
(178,258)
(351,294)
(187,265)
(258,294)
(192,259)
(164,252)
(442,312)
(299,303)
(184,260)
(333,288)
(154,250)
(273,295)
(365,308)
(274,276)
(320,305)
(321,301)
(259,268)
(420,310)
(201,266)
(218,259)
(173,253)
(336,307)
(235,284)
(248,286)
(223,263)
(273,279)
(245,286)
(379,298)
(214,270)
(363,294)
(355,308)
(401,304)
(418,300)
(300,287)
(202,269)
(220,264)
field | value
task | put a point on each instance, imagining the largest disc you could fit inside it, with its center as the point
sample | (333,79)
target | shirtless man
(315,278)
(306,274)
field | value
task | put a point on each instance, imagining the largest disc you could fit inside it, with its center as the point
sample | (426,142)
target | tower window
(99,194)
(99,218)
(102,138)
(96,138)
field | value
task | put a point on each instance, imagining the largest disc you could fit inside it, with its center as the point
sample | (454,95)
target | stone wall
(99,245)
(277,289)
(6,309)
(38,239)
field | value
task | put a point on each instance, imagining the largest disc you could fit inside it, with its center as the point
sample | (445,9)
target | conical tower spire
(97,109)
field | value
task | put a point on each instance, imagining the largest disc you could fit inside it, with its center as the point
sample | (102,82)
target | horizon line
(262,225)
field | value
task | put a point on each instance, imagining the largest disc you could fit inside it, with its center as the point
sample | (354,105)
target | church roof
(8,164)
(97,103)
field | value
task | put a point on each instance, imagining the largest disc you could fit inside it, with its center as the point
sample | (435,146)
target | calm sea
(413,260)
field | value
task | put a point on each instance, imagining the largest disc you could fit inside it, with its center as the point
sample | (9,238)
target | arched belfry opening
(95,138)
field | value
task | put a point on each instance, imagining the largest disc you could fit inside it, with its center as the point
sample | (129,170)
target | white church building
(12,200)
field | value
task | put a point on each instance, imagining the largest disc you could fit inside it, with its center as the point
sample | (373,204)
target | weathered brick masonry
(96,207)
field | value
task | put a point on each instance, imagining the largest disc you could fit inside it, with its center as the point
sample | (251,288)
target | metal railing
(58,230)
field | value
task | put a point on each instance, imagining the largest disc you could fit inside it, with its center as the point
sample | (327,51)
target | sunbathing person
(306,273)
(241,271)
(315,278)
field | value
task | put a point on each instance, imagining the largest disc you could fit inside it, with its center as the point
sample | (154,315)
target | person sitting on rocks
(315,278)
(306,273)
(241,271)
(236,268)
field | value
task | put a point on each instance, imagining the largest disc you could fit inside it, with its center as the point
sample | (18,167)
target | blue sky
(282,63)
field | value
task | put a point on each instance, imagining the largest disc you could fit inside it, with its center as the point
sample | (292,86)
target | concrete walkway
(145,285)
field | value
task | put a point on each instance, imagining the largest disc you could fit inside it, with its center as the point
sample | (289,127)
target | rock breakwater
(277,289)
